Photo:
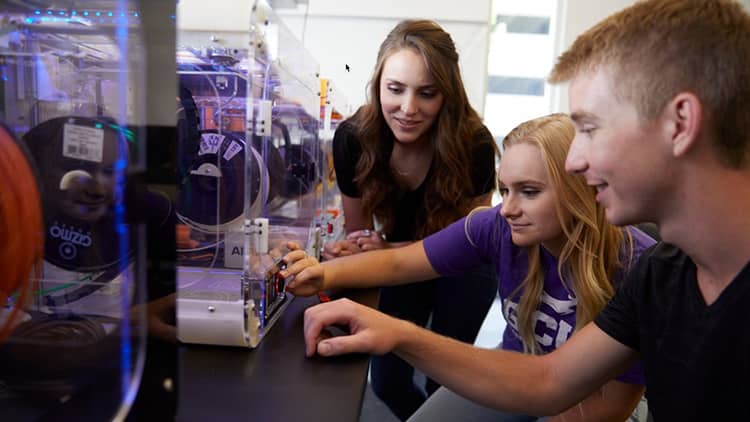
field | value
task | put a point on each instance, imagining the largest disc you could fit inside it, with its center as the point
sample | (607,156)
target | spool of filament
(300,175)
(76,159)
(212,189)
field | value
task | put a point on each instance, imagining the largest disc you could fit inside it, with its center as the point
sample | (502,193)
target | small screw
(211,308)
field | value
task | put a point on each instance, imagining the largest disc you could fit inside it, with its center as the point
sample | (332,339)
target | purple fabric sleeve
(451,253)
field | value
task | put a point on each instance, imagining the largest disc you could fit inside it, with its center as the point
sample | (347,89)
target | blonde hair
(593,249)
(21,228)
(656,49)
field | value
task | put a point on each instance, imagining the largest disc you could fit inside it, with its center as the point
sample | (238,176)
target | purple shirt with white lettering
(486,237)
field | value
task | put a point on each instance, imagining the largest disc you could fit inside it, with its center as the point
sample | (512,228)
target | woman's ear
(685,114)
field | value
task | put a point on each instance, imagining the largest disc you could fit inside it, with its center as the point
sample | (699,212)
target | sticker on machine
(233,149)
(210,143)
(83,142)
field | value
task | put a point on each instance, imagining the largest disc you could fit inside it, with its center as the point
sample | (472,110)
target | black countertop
(274,382)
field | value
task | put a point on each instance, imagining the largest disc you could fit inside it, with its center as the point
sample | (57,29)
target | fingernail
(324,348)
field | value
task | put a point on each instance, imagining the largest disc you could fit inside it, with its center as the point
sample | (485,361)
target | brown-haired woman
(414,159)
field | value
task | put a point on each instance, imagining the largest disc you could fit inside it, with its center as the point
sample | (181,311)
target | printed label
(210,143)
(233,149)
(70,240)
(83,142)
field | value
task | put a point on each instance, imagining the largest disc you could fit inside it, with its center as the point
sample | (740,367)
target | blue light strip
(121,167)
(50,15)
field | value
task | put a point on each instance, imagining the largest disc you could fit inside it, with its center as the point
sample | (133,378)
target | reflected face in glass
(409,98)
(87,192)
(529,200)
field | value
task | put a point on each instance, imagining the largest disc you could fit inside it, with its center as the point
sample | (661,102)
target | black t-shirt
(346,153)
(696,357)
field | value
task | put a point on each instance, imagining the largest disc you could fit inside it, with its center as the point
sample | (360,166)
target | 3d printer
(249,169)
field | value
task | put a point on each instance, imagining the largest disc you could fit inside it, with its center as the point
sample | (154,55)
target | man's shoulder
(663,253)
(658,263)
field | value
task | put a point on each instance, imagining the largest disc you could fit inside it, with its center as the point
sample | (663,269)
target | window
(521,54)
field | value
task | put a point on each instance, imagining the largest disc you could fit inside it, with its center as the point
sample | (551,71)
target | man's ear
(685,115)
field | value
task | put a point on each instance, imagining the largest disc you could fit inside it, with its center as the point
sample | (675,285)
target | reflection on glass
(71,85)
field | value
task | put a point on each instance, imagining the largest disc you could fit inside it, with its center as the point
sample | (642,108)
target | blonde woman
(556,258)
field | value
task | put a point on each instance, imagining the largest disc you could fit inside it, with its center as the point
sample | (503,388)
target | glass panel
(72,92)
(250,170)
(334,108)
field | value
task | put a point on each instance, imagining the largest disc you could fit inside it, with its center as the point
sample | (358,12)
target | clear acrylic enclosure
(249,167)
(71,80)
(334,108)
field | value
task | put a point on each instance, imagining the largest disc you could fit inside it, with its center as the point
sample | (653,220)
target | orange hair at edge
(21,229)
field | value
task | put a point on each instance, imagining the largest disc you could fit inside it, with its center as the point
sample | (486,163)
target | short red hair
(21,227)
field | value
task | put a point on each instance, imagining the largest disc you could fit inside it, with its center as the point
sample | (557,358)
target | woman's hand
(339,248)
(368,240)
(305,276)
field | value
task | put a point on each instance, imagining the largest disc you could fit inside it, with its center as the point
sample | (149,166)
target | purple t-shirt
(486,237)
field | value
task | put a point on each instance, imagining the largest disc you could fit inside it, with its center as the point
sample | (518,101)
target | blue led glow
(37,12)
(85,13)
(61,13)
(98,13)
(49,12)
(29,20)
(135,14)
(109,14)
(73,13)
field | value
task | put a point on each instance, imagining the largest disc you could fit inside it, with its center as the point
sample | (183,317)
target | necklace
(416,165)
(399,172)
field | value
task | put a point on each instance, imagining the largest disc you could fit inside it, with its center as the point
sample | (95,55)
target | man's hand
(370,331)
(159,317)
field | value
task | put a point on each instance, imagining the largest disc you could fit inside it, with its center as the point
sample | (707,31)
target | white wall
(340,33)
(576,17)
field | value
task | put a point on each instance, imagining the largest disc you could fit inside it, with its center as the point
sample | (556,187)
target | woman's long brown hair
(449,190)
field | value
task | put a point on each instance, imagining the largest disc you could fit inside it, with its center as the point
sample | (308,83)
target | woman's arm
(379,268)
(614,401)
(360,234)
